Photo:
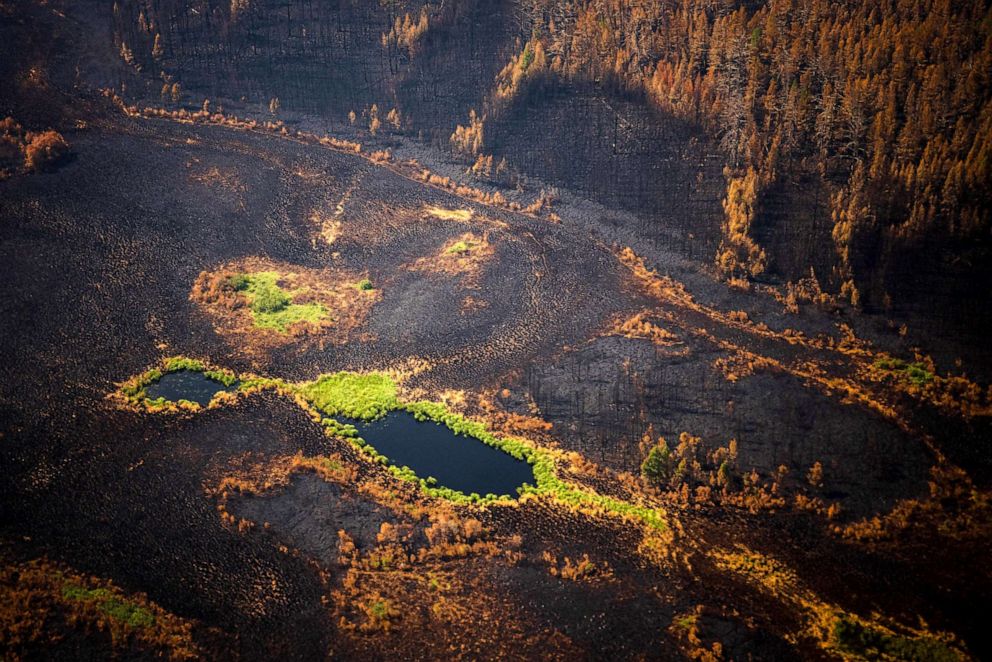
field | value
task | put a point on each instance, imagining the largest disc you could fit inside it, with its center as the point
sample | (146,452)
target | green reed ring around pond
(368,399)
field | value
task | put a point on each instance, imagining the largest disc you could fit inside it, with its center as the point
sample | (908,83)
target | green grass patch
(373,395)
(459,248)
(272,306)
(365,285)
(353,395)
(119,609)
(853,637)
(916,372)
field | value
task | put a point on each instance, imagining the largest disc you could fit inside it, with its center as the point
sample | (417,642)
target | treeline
(886,100)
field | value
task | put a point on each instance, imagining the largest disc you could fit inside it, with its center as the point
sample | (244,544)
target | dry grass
(459,215)
(464,256)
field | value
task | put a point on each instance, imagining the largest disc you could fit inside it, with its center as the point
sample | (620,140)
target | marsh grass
(272,306)
(353,395)
(368,396)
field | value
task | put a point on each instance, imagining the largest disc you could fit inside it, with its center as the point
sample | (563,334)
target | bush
(269,300)
(365,285)
(657,466)
(238,282)
(44,150)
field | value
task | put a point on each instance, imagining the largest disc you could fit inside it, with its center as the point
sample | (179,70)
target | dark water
(460,463)
(185,385)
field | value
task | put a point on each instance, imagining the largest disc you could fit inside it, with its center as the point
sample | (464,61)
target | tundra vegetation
(273,306)
(276,303)
(37,596)
(783,159)
(371,395)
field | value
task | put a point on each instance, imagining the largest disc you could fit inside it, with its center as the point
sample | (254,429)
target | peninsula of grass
(274,307)
(369,396)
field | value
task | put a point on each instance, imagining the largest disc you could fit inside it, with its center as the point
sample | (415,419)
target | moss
(853,637)
(117,608)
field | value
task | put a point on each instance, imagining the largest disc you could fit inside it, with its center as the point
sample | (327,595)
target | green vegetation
(372,395)
(365,285)
(369,396)
(272,306)
(238,282)
(462,246)
(379,608)
(916,372)
(527,58)
(117,608)
(353,395)
(657,466)
(134,390)
(853,637)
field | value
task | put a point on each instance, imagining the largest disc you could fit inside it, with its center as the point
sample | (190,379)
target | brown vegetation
(463,256)
(641,326)
(42,603)
(336,291)
(35,151)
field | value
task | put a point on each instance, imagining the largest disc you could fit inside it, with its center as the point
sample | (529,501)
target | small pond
(457,462)
(186,385)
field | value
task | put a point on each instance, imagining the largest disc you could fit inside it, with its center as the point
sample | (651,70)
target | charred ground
(587,329)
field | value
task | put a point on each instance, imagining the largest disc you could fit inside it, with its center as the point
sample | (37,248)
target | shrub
(657,466)
(365,285)
(851,636)
(269,300)
(238,282)
(118,608)
(44,150)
